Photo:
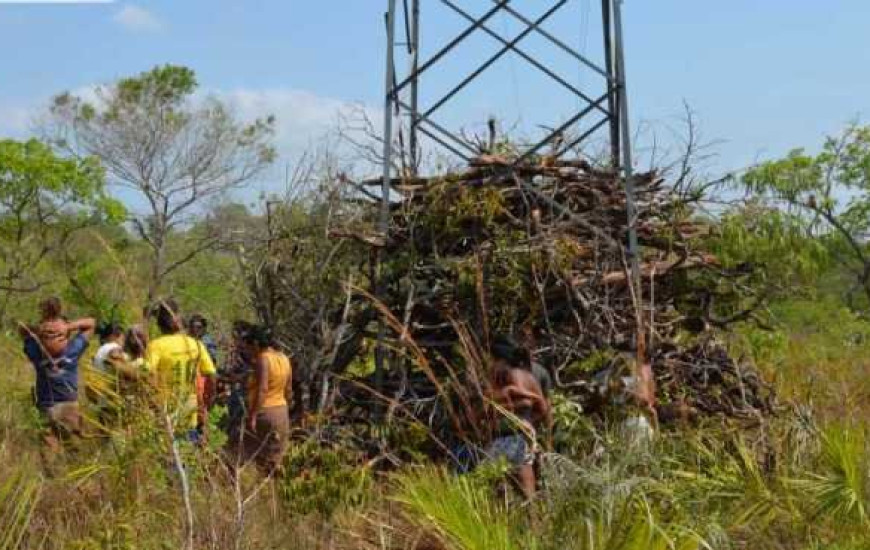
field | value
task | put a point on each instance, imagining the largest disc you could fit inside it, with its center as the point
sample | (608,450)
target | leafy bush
(322,480)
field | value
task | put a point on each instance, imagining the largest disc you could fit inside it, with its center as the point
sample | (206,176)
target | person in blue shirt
(197,327)
(57,378)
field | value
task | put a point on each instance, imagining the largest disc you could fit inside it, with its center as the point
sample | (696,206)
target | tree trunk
(158,259)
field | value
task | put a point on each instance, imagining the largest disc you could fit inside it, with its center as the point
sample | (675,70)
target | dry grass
(799,482)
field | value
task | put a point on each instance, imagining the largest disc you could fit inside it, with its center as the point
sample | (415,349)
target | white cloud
(138,19)
(305,124)
(303,118)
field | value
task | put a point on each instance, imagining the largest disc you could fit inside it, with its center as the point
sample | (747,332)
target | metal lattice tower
(601,104)
(599,108)
(605,104)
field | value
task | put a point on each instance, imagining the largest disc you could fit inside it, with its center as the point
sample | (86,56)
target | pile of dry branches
(537,250)
(705,379)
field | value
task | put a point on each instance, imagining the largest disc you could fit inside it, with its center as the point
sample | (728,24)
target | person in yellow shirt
(266,429)
(174,360)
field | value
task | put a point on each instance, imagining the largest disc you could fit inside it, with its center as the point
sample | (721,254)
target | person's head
(110,332)
(135,342)
(197,325)
(508,354)
(257,339)
(50,308)
(239,333)
(240,328)
(168,316)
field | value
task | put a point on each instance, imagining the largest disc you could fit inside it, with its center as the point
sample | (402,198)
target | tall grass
(19,494)
(799,481)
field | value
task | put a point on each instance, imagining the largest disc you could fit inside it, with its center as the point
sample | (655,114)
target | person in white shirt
(111,346)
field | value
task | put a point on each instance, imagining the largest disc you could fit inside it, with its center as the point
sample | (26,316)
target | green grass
(800,481)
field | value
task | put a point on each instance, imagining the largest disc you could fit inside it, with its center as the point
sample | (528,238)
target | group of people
(177,371)
(175,374)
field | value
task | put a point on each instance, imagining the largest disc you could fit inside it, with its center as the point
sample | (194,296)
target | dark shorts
(514,448)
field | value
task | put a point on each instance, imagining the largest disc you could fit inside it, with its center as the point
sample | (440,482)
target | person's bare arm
(122,366)
(518,392)
(128,371)
(544,409)
(540,406)
(210,390)
(288,388)
(525,387)
(26,331)
(85,326)
(261,374)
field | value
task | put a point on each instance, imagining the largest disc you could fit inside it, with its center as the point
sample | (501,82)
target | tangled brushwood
(536,249)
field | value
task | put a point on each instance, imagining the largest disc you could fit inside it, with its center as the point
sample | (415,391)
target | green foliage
(37,185)
(209,284)
(574,431)
(775,242)
(461,512)
(176,151)
(840,488)
(162,86)
(322,480)
(791,177)
(44,200)
(826,195)
(817,353)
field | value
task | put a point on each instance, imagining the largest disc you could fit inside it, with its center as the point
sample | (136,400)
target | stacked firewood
(537,250)
(705,380)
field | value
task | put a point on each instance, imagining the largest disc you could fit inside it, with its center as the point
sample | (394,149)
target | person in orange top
(267,421)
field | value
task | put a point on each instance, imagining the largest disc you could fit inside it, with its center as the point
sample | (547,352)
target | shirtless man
(517,392)
(52,332)
(57,374)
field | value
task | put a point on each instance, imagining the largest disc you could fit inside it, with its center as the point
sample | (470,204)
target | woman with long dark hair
(267,420)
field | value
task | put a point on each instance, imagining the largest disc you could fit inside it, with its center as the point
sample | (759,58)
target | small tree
(155,139)
(829,193)
(44,199)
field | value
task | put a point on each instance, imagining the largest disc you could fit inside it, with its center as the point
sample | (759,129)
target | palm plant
(839,489)
(460,512)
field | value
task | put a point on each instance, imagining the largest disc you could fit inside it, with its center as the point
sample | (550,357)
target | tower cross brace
(606,106)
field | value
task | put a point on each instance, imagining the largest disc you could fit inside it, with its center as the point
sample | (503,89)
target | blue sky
(762,75)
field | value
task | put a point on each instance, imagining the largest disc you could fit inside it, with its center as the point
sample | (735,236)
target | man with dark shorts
(522,408)
(57,380)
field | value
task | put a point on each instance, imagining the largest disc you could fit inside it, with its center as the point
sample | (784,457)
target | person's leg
(282,436)
(515,451)
(50,436)
(526,480)
(63,426)
(273,427)
(66,419)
